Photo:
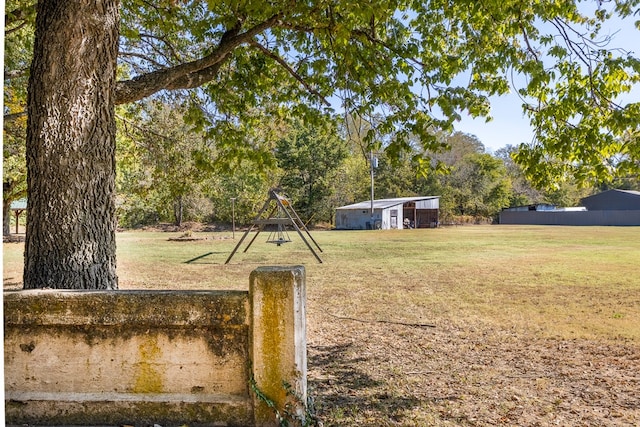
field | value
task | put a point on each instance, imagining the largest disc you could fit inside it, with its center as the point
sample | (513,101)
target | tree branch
(144,130)
(143,57)
(169,46)
(14,116)
(20,14)
(375,40)
(391,322)
(585,55)
(13,30)
(530,48)
(15,74)
(290,70)
(190,74)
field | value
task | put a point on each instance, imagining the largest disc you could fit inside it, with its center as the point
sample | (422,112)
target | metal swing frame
(279,204)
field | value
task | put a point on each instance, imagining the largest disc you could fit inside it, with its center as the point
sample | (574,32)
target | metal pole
(233,218)
(371,163)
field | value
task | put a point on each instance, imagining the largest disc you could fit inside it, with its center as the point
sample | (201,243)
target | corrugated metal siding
(613,200)
(601,217)
(386,203)
(357,216)
(428,204)
(356,219)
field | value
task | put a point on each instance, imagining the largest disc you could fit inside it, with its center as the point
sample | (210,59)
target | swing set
(285,216)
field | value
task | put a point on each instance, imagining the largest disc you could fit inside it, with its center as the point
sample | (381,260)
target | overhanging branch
(13,116)
(290,70)
(190,74)
(141,56)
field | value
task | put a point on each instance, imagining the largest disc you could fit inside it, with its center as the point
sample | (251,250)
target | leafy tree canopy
(416,64)
(310,158)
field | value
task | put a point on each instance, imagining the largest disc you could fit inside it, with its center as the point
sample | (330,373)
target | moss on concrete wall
(123,357)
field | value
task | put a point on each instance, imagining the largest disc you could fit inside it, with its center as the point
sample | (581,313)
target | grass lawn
(532,325)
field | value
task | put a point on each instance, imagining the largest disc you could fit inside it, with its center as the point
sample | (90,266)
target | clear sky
(509,126)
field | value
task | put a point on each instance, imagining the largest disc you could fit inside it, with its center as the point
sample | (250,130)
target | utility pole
(373,161)
(233,218)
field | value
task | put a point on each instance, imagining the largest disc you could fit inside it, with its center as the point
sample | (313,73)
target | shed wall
(615,218)
(356,219)
(428,204)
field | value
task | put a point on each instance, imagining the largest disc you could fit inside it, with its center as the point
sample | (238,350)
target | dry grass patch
(533,325)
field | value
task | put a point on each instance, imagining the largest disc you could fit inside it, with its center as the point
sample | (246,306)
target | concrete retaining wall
(155,357)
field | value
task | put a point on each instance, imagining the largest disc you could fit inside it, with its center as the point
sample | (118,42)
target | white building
(419,212)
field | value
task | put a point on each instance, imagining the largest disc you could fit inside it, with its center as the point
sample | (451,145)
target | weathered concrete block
(145,357)
(95,357)
(278,339)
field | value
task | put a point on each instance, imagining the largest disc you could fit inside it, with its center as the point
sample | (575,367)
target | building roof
(20,204)
(386,203)
(614,191)
(613,200)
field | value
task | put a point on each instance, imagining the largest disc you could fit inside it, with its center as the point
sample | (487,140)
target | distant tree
(309,157)
(248,185)
(18,44)
(479,185)
(630,182)
(566,194)
(523,192)
(14,168)
(458,146)
(473,183)
(395,177)
(353,179)
(163,161)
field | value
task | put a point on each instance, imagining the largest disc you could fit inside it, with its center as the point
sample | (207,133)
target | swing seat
(279,241)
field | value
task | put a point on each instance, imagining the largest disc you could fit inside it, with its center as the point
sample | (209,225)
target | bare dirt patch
(375,374)
(195,227)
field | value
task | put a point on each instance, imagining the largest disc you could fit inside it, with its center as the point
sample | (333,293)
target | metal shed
(18,206)
(612,207)
(420,211)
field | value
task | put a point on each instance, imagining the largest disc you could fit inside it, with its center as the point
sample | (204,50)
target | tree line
(169,172)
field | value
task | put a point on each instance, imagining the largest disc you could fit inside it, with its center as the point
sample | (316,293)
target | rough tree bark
(70,240)
(6,218)
(178,209)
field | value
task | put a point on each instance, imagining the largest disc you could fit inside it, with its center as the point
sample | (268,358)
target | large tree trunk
(6,218)
(6,208)
(70,241)
(178,210)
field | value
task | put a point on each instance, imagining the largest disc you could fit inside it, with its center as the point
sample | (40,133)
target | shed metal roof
(20,204)
(386,203)
(636,193)
(613,200)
